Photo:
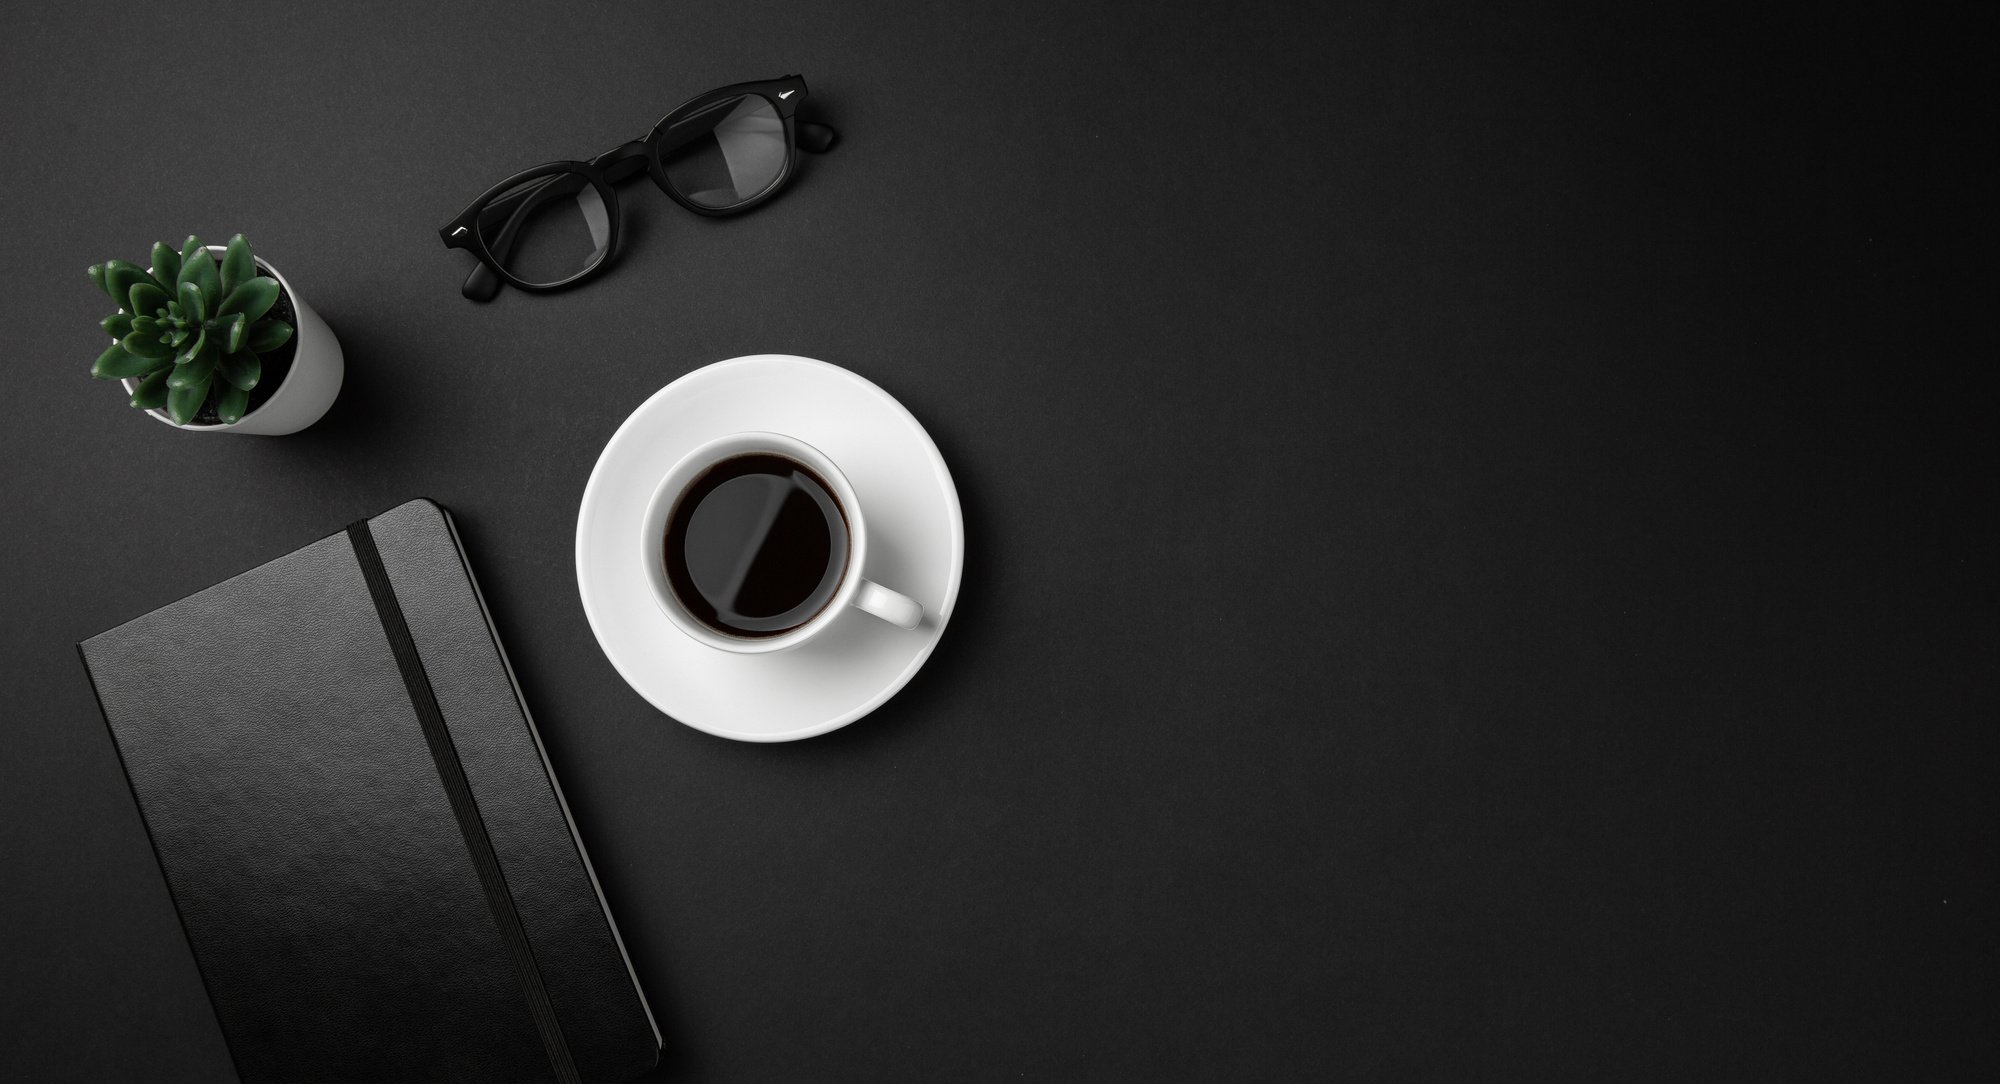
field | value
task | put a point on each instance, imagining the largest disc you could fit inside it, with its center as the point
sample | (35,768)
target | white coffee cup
(855,590)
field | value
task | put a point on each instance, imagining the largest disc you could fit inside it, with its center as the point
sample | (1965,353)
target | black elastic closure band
(463,806)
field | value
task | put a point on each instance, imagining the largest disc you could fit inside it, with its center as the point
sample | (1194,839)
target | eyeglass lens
(726,154)
(547,229)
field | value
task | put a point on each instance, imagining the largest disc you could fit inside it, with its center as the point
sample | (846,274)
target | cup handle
(901,611)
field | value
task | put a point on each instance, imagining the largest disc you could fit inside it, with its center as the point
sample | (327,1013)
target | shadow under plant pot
(300,381)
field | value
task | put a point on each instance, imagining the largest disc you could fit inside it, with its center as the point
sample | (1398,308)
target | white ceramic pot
(309,387)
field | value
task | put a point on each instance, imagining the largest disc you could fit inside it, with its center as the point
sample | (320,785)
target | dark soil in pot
(276,365)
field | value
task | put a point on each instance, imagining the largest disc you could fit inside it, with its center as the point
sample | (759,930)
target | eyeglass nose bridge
(624,161)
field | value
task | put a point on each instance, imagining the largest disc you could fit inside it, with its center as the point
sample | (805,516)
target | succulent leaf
(96,272)
(189,247)
(193,308)
(145,299)
(166,263)
(253,298)
(242,369)
(116,364)
(200,270)
(268,335)
(189,351)
(236,330)
(182,403)
(152,391)
(131,268)
(229,405)
(117,325)
(198,370)
(238,265)
(140,344)
(122,276)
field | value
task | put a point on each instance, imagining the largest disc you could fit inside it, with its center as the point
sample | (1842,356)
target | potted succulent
(217,346)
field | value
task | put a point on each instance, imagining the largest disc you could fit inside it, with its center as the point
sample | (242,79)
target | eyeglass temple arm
(817,138)
(481,285)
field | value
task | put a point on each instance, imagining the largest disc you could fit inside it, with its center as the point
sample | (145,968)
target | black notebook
(369,853)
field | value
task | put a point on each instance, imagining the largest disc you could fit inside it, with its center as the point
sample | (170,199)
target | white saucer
(916,545)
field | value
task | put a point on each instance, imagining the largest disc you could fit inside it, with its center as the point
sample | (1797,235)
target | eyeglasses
(556,225)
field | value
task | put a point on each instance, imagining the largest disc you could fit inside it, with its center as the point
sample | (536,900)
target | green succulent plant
(190,330)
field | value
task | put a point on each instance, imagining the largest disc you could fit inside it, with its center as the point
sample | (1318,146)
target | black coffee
(756,546)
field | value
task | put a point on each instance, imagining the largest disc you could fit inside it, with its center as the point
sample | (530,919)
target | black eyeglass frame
(627,160)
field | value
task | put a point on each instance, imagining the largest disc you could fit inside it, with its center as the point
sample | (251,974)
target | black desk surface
(1479,558)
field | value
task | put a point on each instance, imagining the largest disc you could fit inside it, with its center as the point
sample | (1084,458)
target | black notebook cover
(370,855)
